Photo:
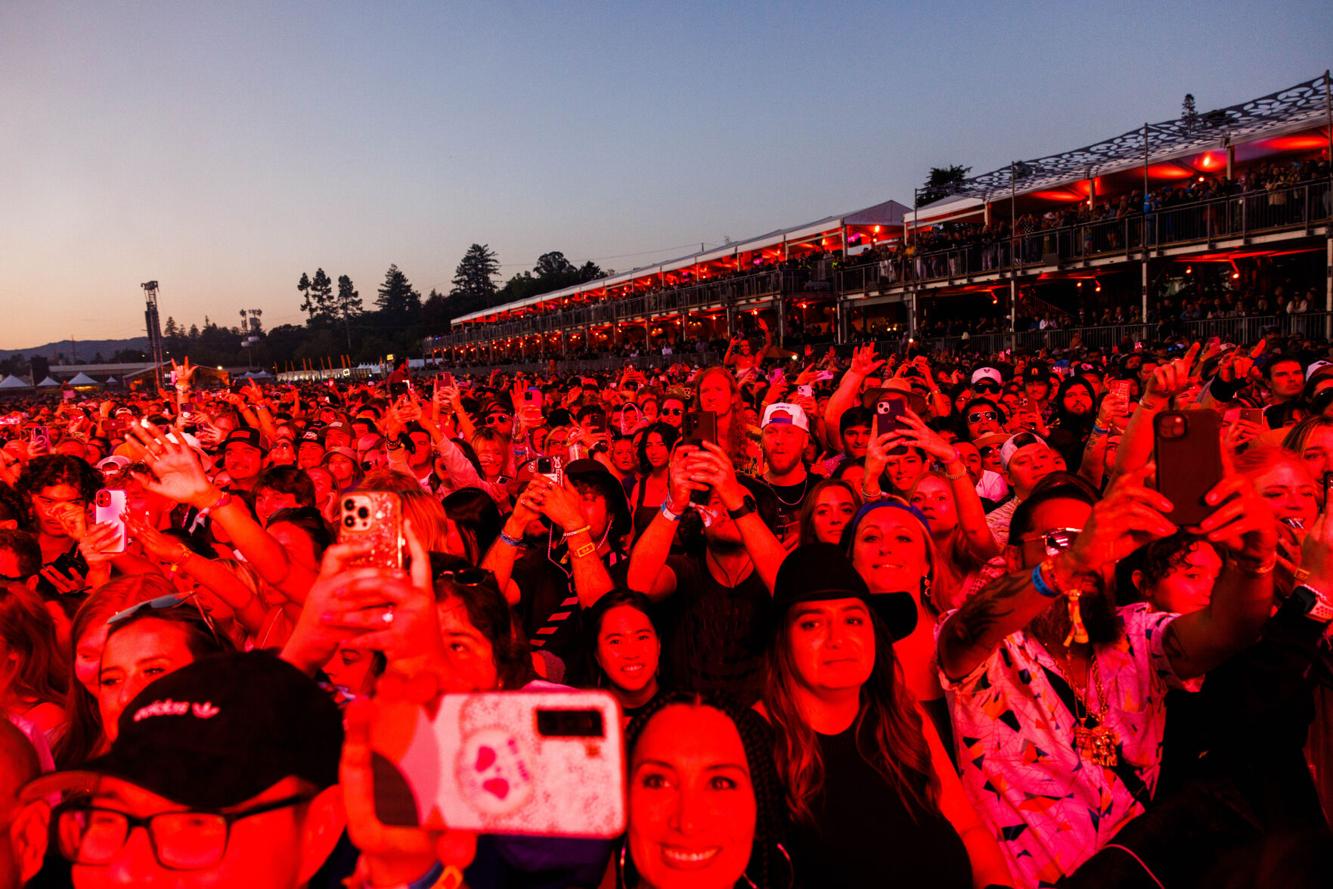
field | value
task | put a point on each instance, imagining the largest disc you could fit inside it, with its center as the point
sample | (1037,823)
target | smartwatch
(747,506)
(1314,603)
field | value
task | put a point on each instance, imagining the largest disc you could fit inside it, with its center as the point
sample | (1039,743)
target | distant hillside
(84,350)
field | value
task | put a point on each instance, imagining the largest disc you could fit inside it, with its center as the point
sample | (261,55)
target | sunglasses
(978,416)
(673,411)
(986,386)
(161,603)
(1056,540)
(499,420)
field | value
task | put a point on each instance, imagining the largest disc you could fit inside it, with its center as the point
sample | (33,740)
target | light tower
(154,327)
(250,331)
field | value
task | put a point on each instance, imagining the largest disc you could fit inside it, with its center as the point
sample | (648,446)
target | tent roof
(13,382)
(1286,110)
(47,383)
(886,213)
(82,379)
(109,380)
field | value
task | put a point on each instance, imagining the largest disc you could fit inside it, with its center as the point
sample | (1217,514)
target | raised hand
(177,473)
(1130,515)
(864,362)
(1173,377)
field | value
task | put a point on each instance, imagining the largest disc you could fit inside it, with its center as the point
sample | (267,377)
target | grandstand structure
(1244,183)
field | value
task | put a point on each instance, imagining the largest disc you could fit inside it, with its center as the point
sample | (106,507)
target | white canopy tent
(13,382)
(48,383)
(82,379)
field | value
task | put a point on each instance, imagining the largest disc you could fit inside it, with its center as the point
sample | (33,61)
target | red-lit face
(656,451)
(1286,379)
(262,852)
(832,644)
(784,446)
(933,497)
(715,394)
(145,650)
(692,810)
(1029,465)
(854,441)
(628,648)
(1289,491)
(1188,586)
(904,470)
(833,510)
(890,551)
(1318,451)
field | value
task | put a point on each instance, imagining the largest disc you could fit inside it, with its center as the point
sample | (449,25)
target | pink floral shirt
(1049,809)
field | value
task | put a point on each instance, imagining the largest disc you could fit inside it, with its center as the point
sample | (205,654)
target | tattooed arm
(976,629)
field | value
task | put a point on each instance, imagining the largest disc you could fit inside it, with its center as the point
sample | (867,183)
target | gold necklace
(1094,740)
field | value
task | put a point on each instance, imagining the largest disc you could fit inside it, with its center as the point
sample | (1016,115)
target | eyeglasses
(499,420)
(161,603)
(673,411)
(93,836)
(986,386)
(978,416)
(1056,540)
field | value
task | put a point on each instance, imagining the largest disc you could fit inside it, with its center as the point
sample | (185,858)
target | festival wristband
(515,542)
(665,509)
(1040,585)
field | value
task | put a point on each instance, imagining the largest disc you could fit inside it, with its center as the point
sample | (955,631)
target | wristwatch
(1314,603)
(748,505)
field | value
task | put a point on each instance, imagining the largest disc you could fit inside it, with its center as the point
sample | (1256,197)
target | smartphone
(376,516)
(1188,450)
(889,412)
(447,379)
(40,437)
(553,468)
(805,391)
(1121,388)
(698,427)
(1253,415)
(597,422)
(399,388)
(512,762)
(109,508)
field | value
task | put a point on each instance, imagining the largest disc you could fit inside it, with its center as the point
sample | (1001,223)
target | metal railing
(1240,329)
(1232,216)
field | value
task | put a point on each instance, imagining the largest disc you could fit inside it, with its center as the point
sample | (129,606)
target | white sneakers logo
(168,707)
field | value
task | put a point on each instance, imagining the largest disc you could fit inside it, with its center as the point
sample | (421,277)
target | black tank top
(863,835)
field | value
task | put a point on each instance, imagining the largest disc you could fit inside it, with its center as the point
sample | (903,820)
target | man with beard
(786,432)
(1057,696)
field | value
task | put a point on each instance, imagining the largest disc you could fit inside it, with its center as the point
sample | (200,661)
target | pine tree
(1189,114)
(398,302)
(321,298)
(303,285)
(474,278)
(347,304)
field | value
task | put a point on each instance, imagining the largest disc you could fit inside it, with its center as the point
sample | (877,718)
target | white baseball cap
(783,413)
(1016,443)
(987,373)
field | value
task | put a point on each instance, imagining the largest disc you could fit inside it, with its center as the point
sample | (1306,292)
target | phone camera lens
(349,504)
(349,522)
(363,512)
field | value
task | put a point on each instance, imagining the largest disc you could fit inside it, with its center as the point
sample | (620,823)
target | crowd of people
(868,620)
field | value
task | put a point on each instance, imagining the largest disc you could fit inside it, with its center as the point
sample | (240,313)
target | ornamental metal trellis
(1208,129)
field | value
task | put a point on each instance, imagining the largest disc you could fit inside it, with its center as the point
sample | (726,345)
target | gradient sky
(224,148)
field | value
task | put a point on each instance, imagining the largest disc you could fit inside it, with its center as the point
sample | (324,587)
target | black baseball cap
(818,572)
(216,733)
(244,435)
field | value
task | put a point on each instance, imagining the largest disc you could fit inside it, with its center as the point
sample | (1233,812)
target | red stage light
(1168,171)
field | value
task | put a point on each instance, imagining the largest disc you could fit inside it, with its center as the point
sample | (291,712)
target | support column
(1143,307)
(911,316)
(781,304)
(839,322)
(1328,286)
(1013,313)
(731,321)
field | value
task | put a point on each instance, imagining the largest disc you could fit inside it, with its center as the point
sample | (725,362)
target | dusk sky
(225,148)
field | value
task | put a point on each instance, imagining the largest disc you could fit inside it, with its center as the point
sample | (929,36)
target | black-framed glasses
(92,836)
(978,416)
(160,603)
(673,411)
(986,386)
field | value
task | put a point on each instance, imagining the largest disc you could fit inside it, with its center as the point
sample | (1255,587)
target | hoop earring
(925,591)
(791,868)
(620,865)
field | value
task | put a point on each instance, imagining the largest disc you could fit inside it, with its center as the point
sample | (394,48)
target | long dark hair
(477,518)
(491,615)
(27,630)
(669,435)
(592,627)
(768,865)
(888,730)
